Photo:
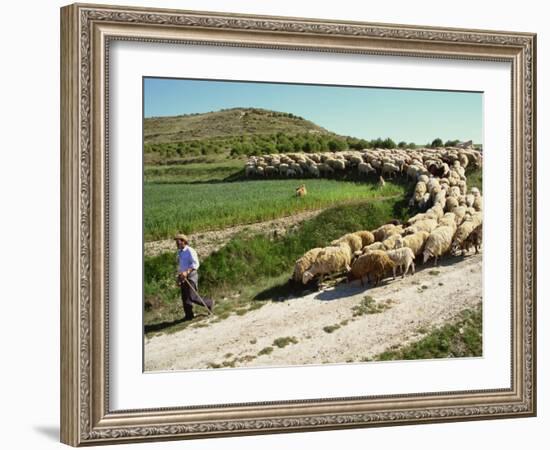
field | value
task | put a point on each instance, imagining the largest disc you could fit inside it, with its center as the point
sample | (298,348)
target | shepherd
(188,277)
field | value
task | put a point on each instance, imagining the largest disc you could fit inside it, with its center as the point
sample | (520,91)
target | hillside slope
(225,123)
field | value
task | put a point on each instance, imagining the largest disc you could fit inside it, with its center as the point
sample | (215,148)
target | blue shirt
(187,259)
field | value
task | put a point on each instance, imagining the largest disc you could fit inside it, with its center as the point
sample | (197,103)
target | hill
(225,123)
(234,133)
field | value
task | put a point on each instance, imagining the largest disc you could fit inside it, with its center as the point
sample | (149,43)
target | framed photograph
(275,224)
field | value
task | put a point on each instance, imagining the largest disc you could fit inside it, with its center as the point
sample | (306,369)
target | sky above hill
(402,114)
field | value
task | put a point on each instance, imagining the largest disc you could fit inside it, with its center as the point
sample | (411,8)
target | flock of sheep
(449,221)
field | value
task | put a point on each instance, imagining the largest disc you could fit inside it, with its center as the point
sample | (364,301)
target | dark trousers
(188,295)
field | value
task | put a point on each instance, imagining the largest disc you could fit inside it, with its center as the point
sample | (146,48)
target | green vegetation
(284,341)
(461,339)
(331,328)
(223,123)
(169,208)
(265,351)
(251,270)
(475,178)
(242,131)
(369,305)
(193,172)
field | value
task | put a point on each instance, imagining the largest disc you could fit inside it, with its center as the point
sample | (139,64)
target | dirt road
(415,304)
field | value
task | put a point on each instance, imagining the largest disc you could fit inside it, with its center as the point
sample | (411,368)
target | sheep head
(307,277)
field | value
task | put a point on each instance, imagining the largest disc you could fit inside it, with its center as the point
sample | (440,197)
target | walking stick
(197,294)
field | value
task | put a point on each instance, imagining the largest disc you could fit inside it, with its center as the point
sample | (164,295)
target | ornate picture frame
(87,32)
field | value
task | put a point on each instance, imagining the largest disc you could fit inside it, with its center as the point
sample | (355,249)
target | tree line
(258,144)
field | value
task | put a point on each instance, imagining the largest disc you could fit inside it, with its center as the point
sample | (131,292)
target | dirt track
(208,242)
(417,303)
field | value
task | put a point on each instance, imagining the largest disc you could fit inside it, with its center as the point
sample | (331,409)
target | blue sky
(403,114)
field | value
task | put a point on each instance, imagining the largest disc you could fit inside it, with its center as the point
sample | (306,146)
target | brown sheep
(376,264)
(473,240)
(352,239)
(366,236)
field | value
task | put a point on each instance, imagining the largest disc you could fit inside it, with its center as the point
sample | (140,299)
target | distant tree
(377,143)
(452,143)
(363,143)
(335,145)
(437,142)
(388,143)
(412,145)
(402,144)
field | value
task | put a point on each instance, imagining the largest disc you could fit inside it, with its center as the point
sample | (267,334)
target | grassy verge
(460,339)
(199,207)
(250,270)
(475,179)
(193,172)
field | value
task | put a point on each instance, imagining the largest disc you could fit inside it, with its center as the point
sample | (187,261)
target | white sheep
(329,261)
(305,262)
(438,243)
(402,258)
(416,241)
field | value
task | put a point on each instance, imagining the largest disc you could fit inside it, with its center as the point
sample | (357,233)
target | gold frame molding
(86,31)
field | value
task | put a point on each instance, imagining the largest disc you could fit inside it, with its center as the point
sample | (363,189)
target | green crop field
(191,208)
(195,172)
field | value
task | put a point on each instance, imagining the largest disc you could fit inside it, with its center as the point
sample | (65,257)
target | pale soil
(413,312)
(208,242)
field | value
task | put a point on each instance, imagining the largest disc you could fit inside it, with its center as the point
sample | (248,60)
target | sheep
(365,168)
(448,220)
(383,232)
(393,242)
(330,260)
(459,212)
(421,225)
(325,168)
(435,212)
(416,241)
(250,170)
(304,263)
(390,169)
(438,243)
(354,241)
(375,263)
(474,240)
(455,192)
(416,218)
(463,232)
(402,257)
(419,191)
(424,201)
(271,170)
(355,160)
(370,248)
(336,164)
(313,170)
(381,182)
(423,178)
(451,203)
(478,203)
(366,236)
